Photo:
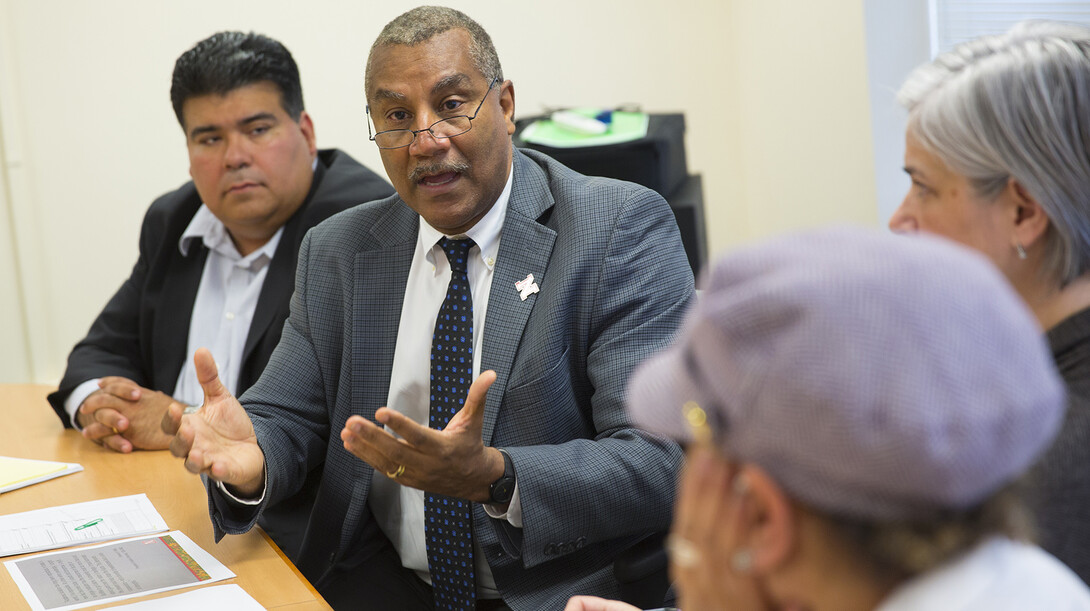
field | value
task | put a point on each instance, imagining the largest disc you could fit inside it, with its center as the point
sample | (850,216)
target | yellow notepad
(18,472)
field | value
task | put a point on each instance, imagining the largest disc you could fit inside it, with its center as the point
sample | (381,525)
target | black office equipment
(656,161)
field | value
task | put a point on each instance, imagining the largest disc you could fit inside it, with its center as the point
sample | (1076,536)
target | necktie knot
(457,252)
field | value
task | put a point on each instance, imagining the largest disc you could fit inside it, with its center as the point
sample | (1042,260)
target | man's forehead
(441,84)
(238,104)
(443,56)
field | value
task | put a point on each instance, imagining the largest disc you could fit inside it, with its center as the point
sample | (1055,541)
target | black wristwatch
(501,490)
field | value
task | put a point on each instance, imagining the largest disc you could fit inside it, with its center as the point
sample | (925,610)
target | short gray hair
(1016,106)
(422,23)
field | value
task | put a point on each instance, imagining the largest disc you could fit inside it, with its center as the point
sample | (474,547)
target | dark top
(1061,479)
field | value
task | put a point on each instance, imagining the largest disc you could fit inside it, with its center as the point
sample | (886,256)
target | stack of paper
(71,579)
(16,473)
(79,523)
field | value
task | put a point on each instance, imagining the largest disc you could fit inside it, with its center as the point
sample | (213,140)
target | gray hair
(422,23)
(1016,106)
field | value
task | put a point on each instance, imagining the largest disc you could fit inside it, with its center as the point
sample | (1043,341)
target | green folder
(626,126)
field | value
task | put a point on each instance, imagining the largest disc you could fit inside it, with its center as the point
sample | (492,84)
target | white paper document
(79,523)
(73,579)
(229,596)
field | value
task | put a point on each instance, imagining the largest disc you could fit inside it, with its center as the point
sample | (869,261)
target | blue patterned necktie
(448,520)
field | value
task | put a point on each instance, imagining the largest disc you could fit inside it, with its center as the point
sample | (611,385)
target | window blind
(955,21)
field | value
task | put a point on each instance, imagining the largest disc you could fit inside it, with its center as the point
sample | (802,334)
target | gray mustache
(437,168)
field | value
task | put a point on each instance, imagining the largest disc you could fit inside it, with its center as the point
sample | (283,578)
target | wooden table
(32,430)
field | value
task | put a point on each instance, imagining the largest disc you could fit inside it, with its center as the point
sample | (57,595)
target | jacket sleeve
(286,407)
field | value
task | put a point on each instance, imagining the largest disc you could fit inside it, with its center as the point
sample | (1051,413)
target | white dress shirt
(226,300)
(222,310)
(399,510)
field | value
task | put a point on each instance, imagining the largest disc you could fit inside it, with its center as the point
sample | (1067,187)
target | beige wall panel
(805,118)
(780,145)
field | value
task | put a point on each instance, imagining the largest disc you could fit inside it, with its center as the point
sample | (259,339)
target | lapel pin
(526,287)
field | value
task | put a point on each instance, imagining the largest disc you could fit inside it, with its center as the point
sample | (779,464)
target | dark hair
(226,61)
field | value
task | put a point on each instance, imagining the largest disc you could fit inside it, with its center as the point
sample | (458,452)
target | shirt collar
(486,233)
(213,233)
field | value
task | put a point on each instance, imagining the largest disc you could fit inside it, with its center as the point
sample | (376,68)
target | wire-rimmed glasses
(443,128)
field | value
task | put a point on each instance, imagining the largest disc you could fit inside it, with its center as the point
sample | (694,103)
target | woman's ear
(767,518)
(1030,220)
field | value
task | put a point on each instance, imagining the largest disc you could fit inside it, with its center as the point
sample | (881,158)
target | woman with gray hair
(859,408)
(998,150)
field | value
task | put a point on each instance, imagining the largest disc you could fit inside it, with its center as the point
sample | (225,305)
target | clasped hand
(453,461)
(122,416)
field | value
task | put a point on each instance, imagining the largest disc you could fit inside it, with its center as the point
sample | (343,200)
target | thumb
(472,413)
(208,375)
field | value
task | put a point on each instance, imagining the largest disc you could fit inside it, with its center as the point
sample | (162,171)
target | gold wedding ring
(396,474)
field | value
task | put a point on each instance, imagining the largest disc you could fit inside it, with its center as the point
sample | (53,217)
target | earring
(1021,251)
(742,561)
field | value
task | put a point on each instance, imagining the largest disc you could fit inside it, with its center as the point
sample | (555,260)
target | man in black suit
(218,255)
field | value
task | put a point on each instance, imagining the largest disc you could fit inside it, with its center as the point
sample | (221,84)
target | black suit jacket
(143,332)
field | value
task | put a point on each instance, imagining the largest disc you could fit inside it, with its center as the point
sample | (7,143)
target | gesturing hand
(123,416)
(218,440)
(453,461)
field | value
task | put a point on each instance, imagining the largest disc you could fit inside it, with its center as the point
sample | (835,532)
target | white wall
(774,92)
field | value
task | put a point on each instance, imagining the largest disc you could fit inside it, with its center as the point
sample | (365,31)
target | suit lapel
(525,248)
(280,279)
(379,278)
(175,310)
(277,287)
(378,292)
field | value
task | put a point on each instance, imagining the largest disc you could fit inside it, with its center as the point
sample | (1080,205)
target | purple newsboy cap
(871,375)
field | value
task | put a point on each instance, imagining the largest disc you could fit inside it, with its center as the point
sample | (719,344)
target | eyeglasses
(443,128)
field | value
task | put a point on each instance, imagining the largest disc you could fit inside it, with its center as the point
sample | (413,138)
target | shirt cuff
(513,515)
(76,398)
(257,501)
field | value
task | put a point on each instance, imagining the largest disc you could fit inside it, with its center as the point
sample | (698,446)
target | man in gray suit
(572,281)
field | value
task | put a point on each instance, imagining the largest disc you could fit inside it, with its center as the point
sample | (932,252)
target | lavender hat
(872,375)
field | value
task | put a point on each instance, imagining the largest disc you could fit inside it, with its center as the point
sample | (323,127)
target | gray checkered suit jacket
(614,283)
